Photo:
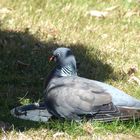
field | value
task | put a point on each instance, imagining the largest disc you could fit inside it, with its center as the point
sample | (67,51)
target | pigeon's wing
(119,98)
(73,97)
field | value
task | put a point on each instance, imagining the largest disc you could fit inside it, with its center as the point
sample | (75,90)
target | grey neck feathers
(61,71)
(68,70)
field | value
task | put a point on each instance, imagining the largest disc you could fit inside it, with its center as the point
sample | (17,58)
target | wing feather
(76,96)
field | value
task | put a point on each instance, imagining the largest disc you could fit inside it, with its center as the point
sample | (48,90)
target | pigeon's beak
(52,58)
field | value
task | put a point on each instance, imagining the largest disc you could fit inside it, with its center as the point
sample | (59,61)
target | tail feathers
(130,107)
(131,104)
(120,114)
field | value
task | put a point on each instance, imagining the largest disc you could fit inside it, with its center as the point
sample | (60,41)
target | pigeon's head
(62,56)
(65,60)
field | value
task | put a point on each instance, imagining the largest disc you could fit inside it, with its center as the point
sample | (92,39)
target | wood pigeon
(72,97)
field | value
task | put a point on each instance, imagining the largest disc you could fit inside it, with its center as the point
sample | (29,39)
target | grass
(106,48)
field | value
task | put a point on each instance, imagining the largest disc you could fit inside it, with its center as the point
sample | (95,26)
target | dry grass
(42,134)
(109,47)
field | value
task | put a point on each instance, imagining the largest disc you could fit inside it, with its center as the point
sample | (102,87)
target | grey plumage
(71,96)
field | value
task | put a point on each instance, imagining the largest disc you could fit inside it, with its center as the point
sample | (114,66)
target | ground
(106,45)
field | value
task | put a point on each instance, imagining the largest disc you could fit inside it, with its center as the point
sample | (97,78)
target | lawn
(107,48)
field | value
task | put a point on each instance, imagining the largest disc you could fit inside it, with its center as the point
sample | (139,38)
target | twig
(22,63)
(24,96)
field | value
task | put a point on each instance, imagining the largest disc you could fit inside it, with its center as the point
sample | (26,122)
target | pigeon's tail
(120,114)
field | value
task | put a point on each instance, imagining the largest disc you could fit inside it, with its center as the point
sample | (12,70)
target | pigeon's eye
(58,54)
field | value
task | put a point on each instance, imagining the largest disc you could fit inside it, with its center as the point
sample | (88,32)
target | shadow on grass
(19,81)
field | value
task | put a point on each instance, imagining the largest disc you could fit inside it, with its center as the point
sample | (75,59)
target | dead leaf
(104,36)
(132,70)
(5,125)
(24,46)
(5,10)
(130,14)
(58,134)
(129,1)
(134,79)
(111,8)
(99,14)
(42,78)
(88,128)
(102,14)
